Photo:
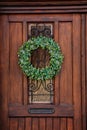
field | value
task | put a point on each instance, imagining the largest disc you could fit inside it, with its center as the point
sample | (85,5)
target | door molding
(61,110)
(43,7)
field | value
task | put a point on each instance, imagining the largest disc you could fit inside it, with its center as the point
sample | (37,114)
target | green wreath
(56,58)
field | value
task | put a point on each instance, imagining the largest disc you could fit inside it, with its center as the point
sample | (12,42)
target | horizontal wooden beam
(62,110)
(44,3)
(43,9)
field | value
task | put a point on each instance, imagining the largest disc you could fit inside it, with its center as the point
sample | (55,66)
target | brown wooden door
(67,103)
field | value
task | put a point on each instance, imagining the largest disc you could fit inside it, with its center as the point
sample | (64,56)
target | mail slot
(41,110)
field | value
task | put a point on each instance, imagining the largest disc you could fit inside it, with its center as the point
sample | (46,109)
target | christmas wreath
(56,58)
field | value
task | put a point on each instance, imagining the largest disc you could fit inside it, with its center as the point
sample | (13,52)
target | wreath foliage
(56,58)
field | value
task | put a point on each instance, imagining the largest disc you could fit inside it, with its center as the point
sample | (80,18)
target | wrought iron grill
(40,91)
(36,29)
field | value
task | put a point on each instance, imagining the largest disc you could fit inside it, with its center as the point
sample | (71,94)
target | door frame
(58,8)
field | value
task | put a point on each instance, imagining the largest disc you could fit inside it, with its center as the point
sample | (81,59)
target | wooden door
(68,93)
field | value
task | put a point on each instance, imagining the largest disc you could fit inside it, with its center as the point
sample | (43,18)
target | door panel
(15,33)
(65,38)
(67,99)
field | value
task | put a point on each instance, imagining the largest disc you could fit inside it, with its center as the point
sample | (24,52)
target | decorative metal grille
(40,91)
(37,29)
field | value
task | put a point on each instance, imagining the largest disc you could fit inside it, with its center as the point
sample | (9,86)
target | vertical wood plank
(49,124)
(28,124)
(21,124)
(63,124)
(13,124)
(69,124)
(35,124)
(4,71)
(56,124)
(42,124)
(77,72)
(83,54)
(15,71)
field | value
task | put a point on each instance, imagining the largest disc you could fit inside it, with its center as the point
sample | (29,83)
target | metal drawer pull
(41,110)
